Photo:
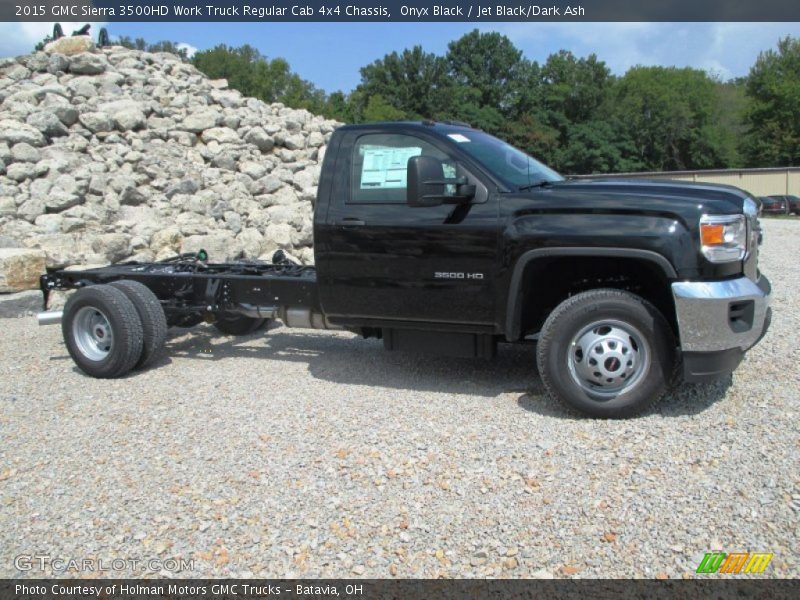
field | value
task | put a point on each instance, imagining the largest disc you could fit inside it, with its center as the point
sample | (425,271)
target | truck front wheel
(606,353)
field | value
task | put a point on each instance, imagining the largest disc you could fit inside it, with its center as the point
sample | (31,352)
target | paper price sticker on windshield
(457,137)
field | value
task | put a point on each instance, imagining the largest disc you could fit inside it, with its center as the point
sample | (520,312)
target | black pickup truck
(437,237)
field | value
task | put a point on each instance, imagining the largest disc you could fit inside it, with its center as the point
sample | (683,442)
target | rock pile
(116,154)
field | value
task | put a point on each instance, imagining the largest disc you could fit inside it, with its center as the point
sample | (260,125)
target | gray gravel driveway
(316,454)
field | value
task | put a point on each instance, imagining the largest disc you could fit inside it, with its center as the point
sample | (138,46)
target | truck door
(382,259)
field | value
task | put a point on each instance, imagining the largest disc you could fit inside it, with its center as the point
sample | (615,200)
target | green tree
(773,116)
(489,66)
(145,46)
(378,109)
(414,82)
(596,147)
(574,87)
(339,107)
(255,75)
(670,116)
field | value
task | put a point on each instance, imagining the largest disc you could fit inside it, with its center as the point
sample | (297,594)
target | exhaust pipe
(52,317)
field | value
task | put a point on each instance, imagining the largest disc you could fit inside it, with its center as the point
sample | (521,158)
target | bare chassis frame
(190,289)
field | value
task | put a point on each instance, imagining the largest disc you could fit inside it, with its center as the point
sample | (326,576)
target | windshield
(513,166)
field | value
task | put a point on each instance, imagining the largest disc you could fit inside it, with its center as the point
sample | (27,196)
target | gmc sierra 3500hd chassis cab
(438,237)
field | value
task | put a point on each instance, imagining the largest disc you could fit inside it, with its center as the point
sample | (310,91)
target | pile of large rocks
(113,154)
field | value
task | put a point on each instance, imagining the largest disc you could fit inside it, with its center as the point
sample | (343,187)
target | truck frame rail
(191,289)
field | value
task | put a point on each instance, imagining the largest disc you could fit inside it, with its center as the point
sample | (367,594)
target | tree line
(571,112)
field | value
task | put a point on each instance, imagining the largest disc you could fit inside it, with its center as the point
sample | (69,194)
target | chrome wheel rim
(92,333)
(607,358)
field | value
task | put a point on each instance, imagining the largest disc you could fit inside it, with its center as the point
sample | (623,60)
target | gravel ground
(316,454)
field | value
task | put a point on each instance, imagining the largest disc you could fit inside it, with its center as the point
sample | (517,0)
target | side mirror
(426,184)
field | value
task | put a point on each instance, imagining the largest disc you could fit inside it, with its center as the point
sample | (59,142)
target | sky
(331,54)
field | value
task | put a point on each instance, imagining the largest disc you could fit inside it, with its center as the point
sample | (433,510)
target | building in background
(759,182)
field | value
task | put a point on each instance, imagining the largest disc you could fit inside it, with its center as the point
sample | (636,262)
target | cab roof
(440,127)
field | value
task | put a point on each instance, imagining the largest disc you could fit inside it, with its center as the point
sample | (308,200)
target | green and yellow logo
(735,562)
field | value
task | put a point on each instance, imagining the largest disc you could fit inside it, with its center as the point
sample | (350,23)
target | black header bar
(477,11)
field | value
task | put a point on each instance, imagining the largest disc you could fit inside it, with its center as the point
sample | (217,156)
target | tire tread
(127,330)
(550,331)
(154,321)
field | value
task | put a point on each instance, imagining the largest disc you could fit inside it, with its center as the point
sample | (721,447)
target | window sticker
(385,167)
(457,137)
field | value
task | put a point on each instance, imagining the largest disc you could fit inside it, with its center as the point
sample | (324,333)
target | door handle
(352,222)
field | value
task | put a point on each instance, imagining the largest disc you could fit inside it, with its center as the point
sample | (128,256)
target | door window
(380,165)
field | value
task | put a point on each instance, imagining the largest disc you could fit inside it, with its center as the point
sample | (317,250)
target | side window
(379,171)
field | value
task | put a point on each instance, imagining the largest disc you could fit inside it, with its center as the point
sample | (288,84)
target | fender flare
(514,302)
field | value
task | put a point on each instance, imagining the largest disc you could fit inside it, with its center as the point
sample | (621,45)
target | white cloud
(725,49)
(190,50)
(20,38)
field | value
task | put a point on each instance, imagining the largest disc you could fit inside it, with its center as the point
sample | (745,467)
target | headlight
(723,237)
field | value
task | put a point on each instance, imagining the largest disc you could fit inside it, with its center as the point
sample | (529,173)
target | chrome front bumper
(721,315)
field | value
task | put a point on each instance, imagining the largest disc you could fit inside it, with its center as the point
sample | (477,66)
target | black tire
(151,313)
(117,315)
(651,343)
(233,324)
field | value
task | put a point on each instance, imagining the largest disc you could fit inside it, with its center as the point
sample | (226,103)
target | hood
(664,196)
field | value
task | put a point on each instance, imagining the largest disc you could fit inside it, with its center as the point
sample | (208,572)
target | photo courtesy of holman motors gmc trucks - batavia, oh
(437,237)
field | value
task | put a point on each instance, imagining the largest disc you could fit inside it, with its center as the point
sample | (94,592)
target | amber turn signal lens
(712,234)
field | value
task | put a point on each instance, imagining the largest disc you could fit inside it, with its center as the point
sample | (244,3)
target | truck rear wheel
(151,313)
(234,324)
(606,353)
(102,331)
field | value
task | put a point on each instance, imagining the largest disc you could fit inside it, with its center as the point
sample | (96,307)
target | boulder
(167,238)
(114,153)
(221,246)
(316,139)
(129,120)
(62,249)
(31,208)
(132,196)
(260,138)
(59,200)
(69,46)
(221,135)
(47,122)
(113,246)
(87,64)
(20,269)
(24,152)
(295,142)
(278,235)
(96,122)
(49,223)
(14,132)
(252,242)
(24,171)
(7,208)
(57,63)
(186,186)
(253,169)
(200,121)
